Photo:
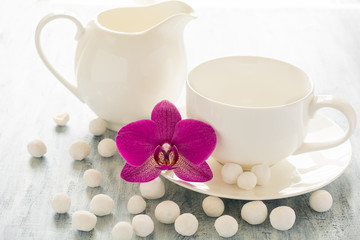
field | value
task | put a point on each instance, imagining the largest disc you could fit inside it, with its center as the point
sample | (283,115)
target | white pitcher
(127,59)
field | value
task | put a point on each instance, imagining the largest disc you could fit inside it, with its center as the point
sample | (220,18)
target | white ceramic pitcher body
(128,59)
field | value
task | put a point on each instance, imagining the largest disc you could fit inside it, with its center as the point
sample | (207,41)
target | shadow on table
(92,191)
(83,235)
(62,220)
(82,165)
(61,129)
(37,162)
(104,222)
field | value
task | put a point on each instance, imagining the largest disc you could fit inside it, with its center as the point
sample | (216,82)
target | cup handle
(80,29)
(324,101)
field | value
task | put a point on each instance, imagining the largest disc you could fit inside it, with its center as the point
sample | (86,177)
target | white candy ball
(153,190)
(79,150)
(167,212)
(321,201)
(136,204)
(122,231)
(97,127)
(61,203)
(102,205)
(84,220)
(143,225)
(226,226)
(62,119)
(213,206)
(107,147)
(92,178)
(186,224)
(262,172)
(230,172)
(282,218)
(247,180)
(36,148)
(254,212)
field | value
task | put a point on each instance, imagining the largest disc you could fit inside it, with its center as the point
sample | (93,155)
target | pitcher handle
(338,104)
(80,29)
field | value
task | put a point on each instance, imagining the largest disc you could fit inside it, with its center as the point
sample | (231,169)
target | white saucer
(290,177)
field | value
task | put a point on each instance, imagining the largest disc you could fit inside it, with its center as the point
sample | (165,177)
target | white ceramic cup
(260,109)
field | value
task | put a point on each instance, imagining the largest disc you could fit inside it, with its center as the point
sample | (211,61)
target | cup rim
(309,93)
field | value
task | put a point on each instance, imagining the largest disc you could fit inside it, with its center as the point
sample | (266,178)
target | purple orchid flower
(166,143)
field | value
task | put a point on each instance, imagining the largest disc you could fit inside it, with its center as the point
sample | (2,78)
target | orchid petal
(137,141)
(190,172)
(166,116)
(144,173)
(194,140)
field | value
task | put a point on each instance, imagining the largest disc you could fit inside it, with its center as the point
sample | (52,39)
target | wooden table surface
(321,38)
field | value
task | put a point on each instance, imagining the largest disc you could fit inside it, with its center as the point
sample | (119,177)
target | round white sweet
(230,172)
(62,119)
(213,206)
(186,224)
(102,204)
(143,225)
(97,127)
(247,180)
(79,150)
(61,202)
(36,148)
(107,147)
(167,212)
(226,226)
(152,190)
(136,204)
(262,172)
(84,220)
(254,212)
(282,218)
(321,201)
(122,231)
(92,178)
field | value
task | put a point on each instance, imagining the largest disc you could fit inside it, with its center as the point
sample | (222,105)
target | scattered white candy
(107,147)
(213,206)
(122,231)
(143,225)
(262,172)
(186,224)
(61,203)
(36,148)
(247,180)
(62,119)
(101,205)
(282,218)
(79,150)
(153,190)
(254,212)
(92,178)
(230,172)
(321,201)
(136,204)
(226,226)
(97,127)
(84,220)
(167,212)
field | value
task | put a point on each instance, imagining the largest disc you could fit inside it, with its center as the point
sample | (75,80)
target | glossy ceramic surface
(259,108)
(127,59)
(292,176)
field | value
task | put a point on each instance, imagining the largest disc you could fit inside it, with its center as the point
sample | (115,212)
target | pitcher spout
(178,15)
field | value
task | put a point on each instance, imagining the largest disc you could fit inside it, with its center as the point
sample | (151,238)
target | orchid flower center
(166,156)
